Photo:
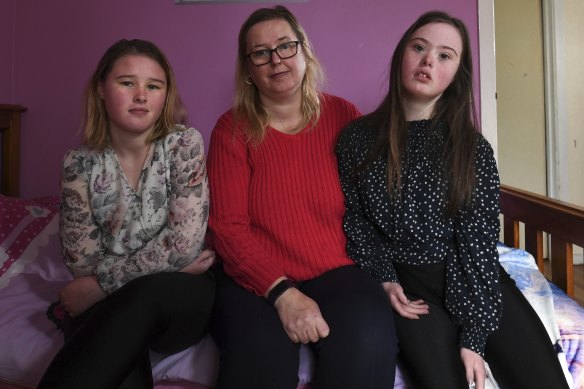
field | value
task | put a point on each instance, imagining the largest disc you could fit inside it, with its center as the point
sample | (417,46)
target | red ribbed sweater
(277,208)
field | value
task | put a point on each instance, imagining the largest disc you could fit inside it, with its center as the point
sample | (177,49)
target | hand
(474,365)
(80,294)
(201,264)
(301,317)
(401,304)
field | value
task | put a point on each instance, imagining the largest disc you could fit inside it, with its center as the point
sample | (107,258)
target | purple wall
(49,48)
(6,42)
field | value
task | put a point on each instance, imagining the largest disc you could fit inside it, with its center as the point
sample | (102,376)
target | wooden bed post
(534,245)
(511,232)
(563,265)
(10,129)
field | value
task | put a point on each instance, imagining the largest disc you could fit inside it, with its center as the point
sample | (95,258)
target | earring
(248,80)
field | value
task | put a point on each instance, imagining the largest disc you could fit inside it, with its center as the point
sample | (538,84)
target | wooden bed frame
(10,133)
(562,221)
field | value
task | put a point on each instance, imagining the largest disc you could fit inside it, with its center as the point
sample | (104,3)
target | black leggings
(520,353)
(165,312)
(256,353)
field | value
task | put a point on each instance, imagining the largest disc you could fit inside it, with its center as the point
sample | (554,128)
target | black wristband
(279,289)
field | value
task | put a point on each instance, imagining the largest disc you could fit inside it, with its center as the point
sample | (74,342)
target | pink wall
(49,48)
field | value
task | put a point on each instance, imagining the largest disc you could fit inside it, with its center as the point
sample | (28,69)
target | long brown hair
(247,106)
(95,118)
(454,110)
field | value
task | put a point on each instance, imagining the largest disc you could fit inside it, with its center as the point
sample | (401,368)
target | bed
(32,273)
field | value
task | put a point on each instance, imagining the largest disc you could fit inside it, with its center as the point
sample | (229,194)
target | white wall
(573,162)
(520,94)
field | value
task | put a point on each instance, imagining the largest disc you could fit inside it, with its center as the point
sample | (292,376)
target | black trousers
(256,353)
(520,353)
(109,348)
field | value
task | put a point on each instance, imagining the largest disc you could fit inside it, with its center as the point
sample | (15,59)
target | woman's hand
(301,317)
(474,365)
(401,304)
(81,294)
(201,264)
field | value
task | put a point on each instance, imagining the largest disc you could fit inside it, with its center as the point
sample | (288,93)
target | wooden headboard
(10,132)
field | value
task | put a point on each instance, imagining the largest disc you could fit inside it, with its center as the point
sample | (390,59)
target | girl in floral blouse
(133,220)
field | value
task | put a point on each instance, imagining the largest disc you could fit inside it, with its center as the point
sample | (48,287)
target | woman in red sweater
(276,223)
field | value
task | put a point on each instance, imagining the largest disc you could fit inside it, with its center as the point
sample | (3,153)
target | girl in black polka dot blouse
(422,195)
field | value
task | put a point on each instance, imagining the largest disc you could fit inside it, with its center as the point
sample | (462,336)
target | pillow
(25,227)
(32,273)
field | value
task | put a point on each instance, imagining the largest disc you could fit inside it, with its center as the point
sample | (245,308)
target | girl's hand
(81,294)
(201,264)
(401,304)
(474,365)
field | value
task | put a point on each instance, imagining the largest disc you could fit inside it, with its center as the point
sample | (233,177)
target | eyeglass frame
(274,50)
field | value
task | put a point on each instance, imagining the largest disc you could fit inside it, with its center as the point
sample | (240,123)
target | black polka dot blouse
(414,230)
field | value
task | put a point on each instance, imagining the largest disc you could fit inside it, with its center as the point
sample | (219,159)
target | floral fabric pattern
(110,230)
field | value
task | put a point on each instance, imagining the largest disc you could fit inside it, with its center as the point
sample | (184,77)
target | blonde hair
(247,107)
(95,123)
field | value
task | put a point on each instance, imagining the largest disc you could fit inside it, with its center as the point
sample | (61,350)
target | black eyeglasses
(285,50)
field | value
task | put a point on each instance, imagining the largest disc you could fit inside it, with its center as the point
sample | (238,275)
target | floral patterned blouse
(116,233)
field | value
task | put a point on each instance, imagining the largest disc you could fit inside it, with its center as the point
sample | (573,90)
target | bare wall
(520,94)
(574,55)
(6,39)
(55,45)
